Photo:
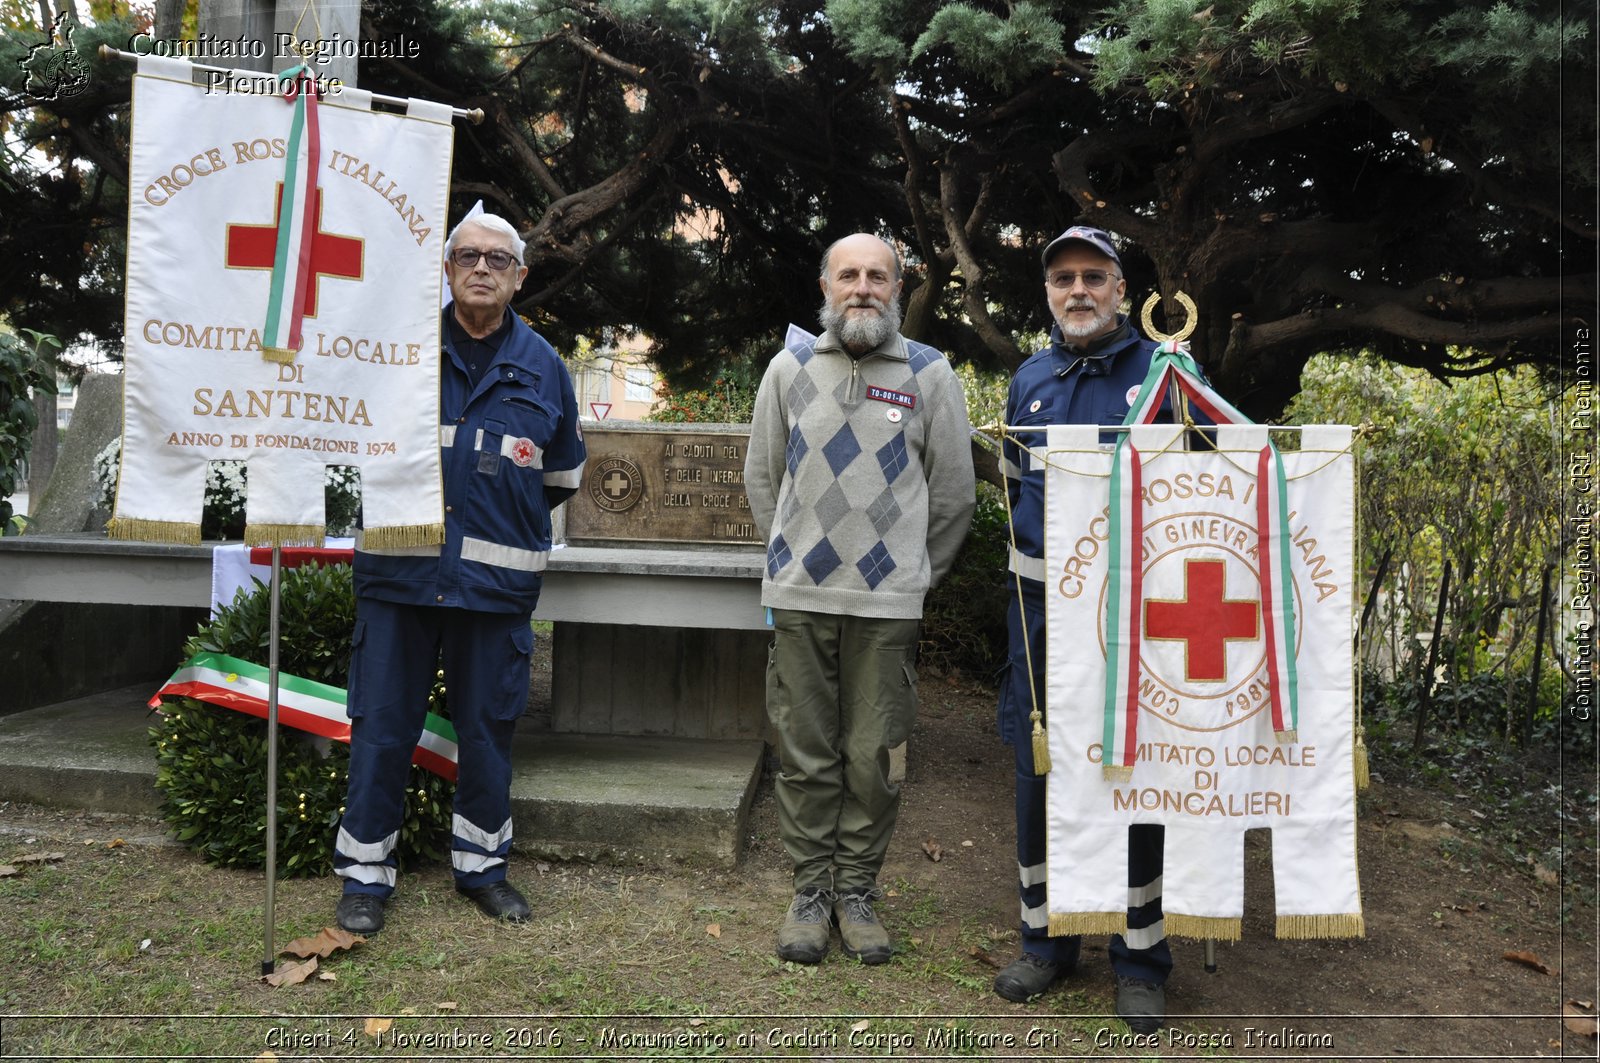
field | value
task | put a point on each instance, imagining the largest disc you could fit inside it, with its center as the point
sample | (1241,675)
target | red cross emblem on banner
(1203,620)
(256,247)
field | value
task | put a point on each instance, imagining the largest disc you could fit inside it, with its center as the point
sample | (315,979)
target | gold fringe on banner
(1067,923)
(1310,927)
(1041,750)
(1363,770)
(284,534)
(154,531)
(279,355)
(1117,772)
(402,535)
(1199,927)
(1285,737)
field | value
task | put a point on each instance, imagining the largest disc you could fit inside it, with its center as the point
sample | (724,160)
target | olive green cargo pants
(841,693)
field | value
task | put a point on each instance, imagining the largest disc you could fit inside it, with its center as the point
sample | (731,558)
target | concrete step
(650,800)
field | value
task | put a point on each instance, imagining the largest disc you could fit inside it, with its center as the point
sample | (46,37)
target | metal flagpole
(268,952)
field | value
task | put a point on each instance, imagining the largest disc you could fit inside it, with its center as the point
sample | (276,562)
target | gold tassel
(1117,772)
(279,355)
(284,534)
(154,531)
(1064,924)
(1041,746)
(1311,927)
(1285,737)
(1363,770)
(399,535)
(1200,927)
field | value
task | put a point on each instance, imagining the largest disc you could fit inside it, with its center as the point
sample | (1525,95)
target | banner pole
(267,954)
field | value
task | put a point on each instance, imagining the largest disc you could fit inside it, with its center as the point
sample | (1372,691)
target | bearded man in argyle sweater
(860,479)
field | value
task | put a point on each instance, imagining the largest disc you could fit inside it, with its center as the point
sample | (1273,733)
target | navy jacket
(1061,385)
(512,451)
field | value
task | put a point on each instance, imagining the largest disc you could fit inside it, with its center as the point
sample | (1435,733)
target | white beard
(862,331)
(1093,327)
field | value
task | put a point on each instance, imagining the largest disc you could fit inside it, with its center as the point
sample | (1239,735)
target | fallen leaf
(714,929)
(268,1054)
(447,1005)
(327,976)
(1527,959)
(42,858)
(291,973)
(1577,1022)
(115,843)
(697,1022)
(1586,1005)
(374,1027)
(860,1026)
(329,940)
(891,892)
(408,1011)
(932,848)
(978,954)
(1545,875)
(6,871)
(967,844)
(144,944)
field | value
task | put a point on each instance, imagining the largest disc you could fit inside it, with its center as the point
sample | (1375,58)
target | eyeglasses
(467,257)
(1092,278)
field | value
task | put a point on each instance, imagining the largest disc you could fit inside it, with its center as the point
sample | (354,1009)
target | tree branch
(972,289)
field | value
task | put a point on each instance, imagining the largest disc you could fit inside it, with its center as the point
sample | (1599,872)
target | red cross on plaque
(1203,619)
(256,247)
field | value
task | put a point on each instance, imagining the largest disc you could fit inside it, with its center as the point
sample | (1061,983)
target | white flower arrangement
(227,484)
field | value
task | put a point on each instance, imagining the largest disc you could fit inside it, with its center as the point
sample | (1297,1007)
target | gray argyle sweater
(859,475)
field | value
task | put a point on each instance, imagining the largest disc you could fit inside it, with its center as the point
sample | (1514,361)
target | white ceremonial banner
(1208,765)
(206,177)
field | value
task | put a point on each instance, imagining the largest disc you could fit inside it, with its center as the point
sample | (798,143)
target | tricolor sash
(303,704)
(1172,367)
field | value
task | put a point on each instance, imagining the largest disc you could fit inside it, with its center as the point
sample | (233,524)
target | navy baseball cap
(1098,239)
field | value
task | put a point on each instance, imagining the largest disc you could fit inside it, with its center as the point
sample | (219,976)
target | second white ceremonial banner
(217,366)
(1207,761)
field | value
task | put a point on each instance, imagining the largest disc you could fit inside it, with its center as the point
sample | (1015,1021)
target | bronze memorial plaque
(663,484)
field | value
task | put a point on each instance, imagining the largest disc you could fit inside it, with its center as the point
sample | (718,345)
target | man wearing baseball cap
(1088,374)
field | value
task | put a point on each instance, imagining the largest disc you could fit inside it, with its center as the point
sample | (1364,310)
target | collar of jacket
(893,347)
(1100,352)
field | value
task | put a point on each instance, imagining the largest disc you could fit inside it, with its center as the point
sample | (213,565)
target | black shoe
(359,913)
(1140,1004)
(499,900)
(1027,977)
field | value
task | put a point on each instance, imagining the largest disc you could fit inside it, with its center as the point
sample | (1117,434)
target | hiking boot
(861,935)
(803,938)
(1027,977)
(1140,1004)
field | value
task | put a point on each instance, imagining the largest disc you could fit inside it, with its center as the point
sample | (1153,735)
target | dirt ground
(1447,891)
(1444,904)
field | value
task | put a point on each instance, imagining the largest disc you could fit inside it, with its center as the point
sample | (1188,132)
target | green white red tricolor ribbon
(292,276)
(303,704)
(1173,366)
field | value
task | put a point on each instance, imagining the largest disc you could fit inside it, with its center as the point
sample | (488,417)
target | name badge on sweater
(899,398)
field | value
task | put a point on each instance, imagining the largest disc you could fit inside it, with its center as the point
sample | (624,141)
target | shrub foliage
(212,761)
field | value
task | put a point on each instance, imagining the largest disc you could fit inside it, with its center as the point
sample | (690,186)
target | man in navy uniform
(1089,374)
(512,453)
